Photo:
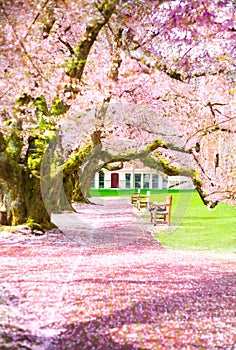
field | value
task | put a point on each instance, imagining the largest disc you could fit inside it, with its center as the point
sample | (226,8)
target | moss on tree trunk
(21,201)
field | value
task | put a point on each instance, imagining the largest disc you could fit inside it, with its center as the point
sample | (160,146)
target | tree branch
(69,47)
(116,58)
(212,128)
(22,45)
(115,167)
(36,17)
(76,67)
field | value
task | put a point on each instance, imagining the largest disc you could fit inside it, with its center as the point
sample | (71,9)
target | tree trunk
(37,214)
(20,196)
(87,176)
(20,193)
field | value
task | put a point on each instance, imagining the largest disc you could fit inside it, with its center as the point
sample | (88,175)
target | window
(137,180)
(155,179)
(146,180)
(127,180)
(165,183)
(216,161)
(101,180)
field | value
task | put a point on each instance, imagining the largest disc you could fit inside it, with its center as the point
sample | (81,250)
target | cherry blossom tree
(64,59)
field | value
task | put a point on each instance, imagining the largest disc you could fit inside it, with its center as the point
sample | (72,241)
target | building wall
(136,176)
(180,183)
(219,152)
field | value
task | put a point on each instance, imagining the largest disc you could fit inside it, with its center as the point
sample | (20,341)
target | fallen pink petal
(58,294)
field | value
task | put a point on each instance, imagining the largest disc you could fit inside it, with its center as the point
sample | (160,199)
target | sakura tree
(64,59)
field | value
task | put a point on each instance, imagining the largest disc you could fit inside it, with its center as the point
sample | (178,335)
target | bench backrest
(169,201)
(137,198)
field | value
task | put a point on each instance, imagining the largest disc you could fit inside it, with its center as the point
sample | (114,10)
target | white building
(135,175)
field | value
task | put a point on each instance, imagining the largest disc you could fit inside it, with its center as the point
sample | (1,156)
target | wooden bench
(161,212)
(134,198)
(141,201)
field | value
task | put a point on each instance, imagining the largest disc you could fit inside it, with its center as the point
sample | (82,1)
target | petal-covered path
(106,283)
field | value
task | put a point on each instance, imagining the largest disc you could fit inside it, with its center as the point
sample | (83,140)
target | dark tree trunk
(20,197)
(20,194)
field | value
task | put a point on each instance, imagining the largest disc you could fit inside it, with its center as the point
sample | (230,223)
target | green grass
(203,229)
(194,226)
(116,192)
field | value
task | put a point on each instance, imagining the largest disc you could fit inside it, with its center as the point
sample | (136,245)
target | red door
(115,180)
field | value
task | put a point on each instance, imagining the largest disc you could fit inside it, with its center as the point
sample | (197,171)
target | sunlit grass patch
(204,229)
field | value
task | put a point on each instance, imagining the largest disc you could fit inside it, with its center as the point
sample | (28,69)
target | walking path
(109,223)
(106,283)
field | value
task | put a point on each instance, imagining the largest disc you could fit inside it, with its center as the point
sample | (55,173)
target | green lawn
(204,229)
(194,226)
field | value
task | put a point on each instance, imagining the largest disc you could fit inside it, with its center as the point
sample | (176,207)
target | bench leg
(151,218)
